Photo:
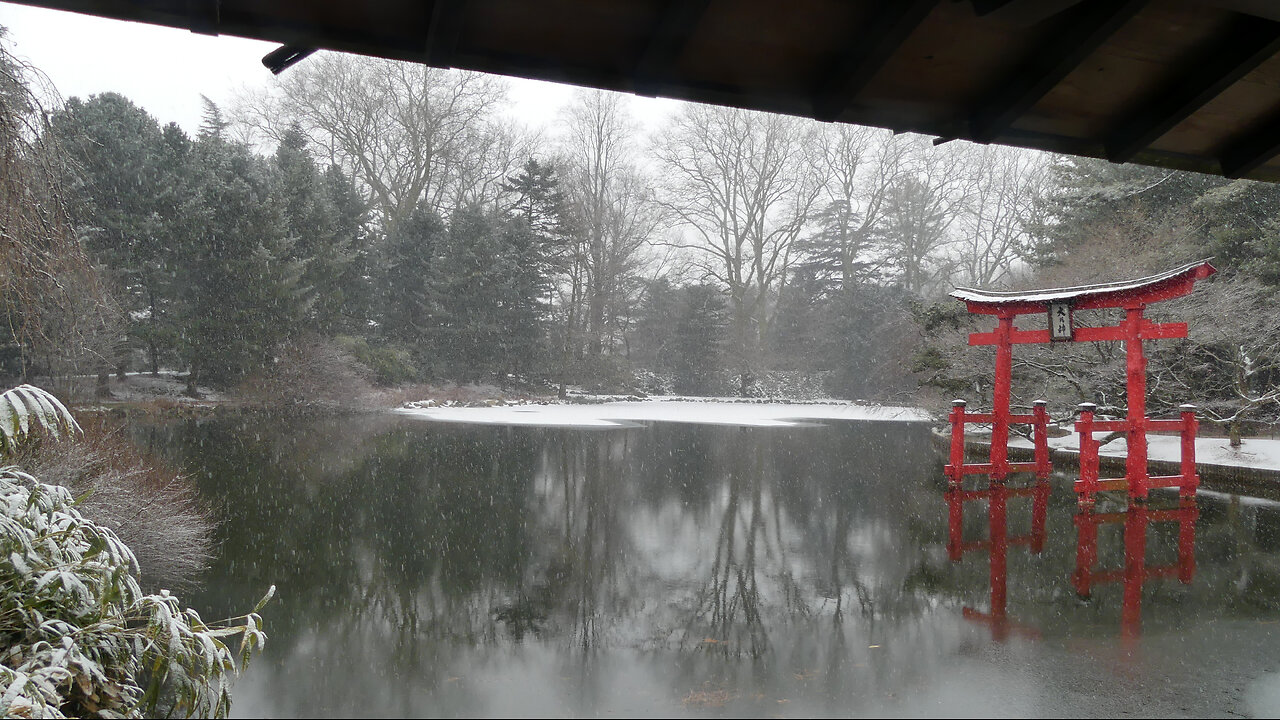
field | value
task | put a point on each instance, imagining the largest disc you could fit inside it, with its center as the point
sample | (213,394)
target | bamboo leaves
(27,411)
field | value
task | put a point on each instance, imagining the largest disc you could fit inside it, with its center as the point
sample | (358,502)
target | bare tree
(614,216)
(920,207)
(408,133)
(743,185)
(860,164)
(1005,203)
(58,318)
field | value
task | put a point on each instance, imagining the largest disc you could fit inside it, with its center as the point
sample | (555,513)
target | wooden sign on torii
(1058,305)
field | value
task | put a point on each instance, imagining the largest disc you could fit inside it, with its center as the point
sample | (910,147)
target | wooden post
(1088,483)
(955,470)
(1135,466)
(1041,439)
(1190,428)
(1000,398)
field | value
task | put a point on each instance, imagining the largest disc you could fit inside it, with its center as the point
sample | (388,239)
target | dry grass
(155,511)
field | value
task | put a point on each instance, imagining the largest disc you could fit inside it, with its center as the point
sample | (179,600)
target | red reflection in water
(1135,571)
(997,544)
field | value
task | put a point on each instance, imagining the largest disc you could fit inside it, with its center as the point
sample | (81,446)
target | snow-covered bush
(81,639)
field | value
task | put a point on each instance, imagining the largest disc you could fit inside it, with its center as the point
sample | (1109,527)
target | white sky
(165,70)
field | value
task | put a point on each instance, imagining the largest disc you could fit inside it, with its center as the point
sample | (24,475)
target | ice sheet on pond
(629,414)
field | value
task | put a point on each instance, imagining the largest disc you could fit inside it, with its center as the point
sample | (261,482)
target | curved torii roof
(1188,84)
(1156,288)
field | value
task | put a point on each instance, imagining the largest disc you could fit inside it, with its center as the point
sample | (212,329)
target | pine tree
(324,241)
(487,287)
(243,284)
(698,344)
(405,295)
(121,189)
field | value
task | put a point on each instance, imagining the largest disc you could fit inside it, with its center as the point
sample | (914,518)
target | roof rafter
(873,45)
(1081,31)
(1245,45)
(285,56)
(204,16)
(443,32)
(1252,151)
(676,24)
(1021,11)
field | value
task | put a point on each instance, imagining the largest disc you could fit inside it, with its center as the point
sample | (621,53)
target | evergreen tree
(538,198)
(324,241)
(652,337)
(698,342)
(405,293)
(350,220)
(487,289)
(243,292)
(121,191)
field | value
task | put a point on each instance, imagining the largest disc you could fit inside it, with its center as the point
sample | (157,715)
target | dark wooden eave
(1190,84)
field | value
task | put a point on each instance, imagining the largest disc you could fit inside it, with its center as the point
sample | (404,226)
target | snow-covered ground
(1263,453)
(630,414)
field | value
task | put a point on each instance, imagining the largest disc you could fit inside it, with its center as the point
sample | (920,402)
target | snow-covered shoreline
(679,410)
(1256,453)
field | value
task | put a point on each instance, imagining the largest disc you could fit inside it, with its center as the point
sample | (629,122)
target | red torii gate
(1059,304)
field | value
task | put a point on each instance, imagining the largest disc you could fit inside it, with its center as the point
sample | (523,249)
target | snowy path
(1260,453)
(630,414)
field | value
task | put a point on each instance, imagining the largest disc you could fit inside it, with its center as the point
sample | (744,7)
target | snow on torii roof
(1156,288)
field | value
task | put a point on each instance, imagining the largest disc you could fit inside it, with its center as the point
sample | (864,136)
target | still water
(436,570)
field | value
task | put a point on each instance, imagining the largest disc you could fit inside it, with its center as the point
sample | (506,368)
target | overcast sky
(166,70)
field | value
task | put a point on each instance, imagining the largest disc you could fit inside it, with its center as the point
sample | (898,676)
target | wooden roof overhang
(1128,293)
(1190,84)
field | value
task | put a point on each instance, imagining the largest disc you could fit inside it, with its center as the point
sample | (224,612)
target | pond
(428,569)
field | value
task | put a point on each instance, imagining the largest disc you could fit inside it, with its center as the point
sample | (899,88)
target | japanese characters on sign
(1060,326)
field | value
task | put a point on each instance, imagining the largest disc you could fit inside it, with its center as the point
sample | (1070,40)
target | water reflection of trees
(405,551)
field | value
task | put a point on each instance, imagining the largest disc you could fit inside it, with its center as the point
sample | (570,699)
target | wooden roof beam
(1252,151)
(1021,12)
(443,32)
(285,56)
(1080,31)
(667,39)
(872,46)
(1245,45)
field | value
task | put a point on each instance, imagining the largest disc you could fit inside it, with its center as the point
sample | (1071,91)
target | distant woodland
(369,222)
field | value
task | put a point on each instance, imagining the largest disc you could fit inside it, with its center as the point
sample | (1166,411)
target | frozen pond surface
(430,569)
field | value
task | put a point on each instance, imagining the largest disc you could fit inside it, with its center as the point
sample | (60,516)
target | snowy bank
(632,414)
(1256,453)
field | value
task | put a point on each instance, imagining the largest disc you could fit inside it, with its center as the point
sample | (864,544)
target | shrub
(310,372)
(152,510)
(82,640)
(391,365)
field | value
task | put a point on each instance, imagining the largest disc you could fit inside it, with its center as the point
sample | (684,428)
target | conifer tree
(120,189)
(323,241)
(243,290)
(486,285)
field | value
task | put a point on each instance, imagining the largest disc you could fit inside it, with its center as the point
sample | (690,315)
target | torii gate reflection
(1136,571)
(1133,575)
(997,544)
